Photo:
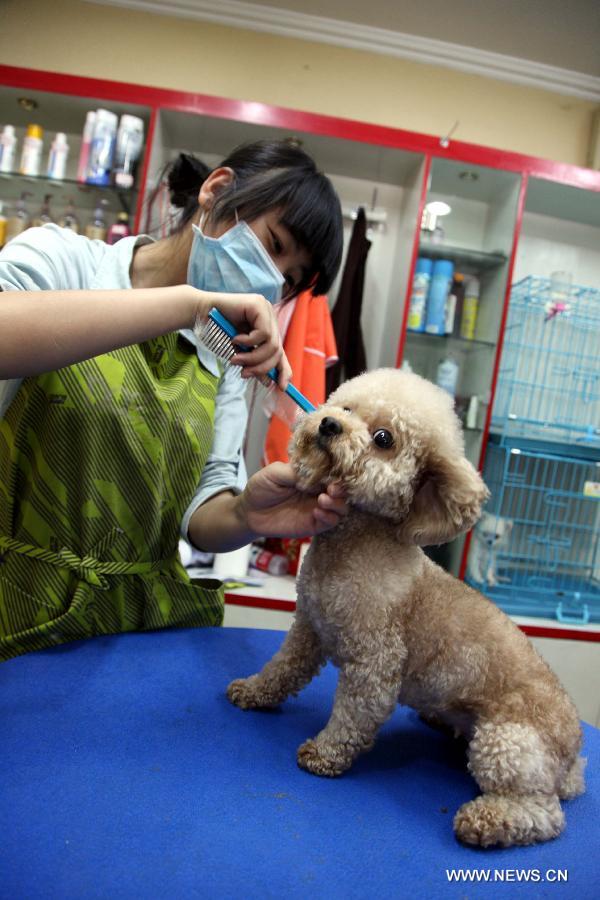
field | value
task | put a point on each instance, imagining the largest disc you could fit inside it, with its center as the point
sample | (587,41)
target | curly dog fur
(401,630)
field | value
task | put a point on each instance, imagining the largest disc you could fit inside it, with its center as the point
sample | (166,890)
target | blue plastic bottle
(418,298)
(102,147)
(441,281)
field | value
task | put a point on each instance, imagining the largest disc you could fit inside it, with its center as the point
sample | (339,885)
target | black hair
(271,175)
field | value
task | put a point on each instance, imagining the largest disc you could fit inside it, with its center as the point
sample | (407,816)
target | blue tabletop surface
(126,773)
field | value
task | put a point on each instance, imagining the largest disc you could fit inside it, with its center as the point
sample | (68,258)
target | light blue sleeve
(49,259)
(45,259)
(224,469)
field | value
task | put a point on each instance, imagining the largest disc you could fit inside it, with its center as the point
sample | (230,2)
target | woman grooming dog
(118,430)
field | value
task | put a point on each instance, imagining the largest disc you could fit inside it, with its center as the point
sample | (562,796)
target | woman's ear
(210,189)
(448,502)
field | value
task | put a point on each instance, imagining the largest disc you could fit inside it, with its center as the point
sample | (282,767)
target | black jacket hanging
(346,312)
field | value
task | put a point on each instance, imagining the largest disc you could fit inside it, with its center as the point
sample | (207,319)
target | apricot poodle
(402,630)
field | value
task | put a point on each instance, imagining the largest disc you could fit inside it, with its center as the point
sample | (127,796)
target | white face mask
(235,263)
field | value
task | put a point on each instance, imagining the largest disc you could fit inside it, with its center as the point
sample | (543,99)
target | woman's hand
(272,506)
(258,329)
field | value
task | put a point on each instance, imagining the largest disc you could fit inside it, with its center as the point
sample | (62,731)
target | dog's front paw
(323,759)
(248,693)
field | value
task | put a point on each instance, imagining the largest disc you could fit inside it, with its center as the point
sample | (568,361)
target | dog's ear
(447,503)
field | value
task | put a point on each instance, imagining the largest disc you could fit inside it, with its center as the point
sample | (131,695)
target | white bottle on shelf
(447,375)
(86,143)
(57,158)
(8,147)
(130,140)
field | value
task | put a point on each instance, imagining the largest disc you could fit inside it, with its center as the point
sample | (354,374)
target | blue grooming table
(126,773)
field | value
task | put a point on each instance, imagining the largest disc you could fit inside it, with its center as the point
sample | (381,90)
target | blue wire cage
(536,551)
(549,380)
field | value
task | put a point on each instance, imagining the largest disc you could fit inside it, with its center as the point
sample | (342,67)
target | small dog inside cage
(489,537)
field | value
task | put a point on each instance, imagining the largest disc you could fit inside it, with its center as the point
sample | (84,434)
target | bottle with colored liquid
(44,216)
(441,281)
(96,227)
(118,229)
(19,221)
(418,298)
(31,155)
(468,321)
(2,225)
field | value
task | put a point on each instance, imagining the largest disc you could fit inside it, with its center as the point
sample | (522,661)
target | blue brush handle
(293,392)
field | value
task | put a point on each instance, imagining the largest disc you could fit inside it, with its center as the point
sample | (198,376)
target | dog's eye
(383,438)
(346,409)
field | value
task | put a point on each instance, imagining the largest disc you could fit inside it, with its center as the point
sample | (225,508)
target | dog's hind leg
(572,784)
(518,776)
(293,666)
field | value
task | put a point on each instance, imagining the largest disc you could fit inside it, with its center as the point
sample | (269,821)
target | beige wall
(104,42)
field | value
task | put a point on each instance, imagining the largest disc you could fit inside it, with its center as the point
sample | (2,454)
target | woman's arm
(270,506)
(44,330)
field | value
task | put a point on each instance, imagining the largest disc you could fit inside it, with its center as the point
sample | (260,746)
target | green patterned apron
(98,463)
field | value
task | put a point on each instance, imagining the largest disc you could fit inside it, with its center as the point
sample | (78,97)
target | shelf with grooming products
(458,290)
(71,160)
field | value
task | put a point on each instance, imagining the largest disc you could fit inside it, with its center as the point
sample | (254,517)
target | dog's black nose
(329,426)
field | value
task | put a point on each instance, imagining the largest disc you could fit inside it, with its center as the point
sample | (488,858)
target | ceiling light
(438,208)
(28,103)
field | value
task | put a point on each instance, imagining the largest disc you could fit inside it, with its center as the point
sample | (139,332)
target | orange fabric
(310,347)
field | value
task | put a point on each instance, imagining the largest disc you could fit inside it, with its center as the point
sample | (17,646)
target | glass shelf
(475,259)
(439,340)
(58,182)
(63,190)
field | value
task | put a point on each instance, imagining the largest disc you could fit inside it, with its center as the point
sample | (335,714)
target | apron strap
(88,568)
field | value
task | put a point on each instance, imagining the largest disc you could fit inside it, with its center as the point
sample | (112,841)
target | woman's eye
(277,245)
(383,438)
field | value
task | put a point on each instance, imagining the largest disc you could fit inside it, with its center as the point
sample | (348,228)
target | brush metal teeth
(214,339)
(218,342)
